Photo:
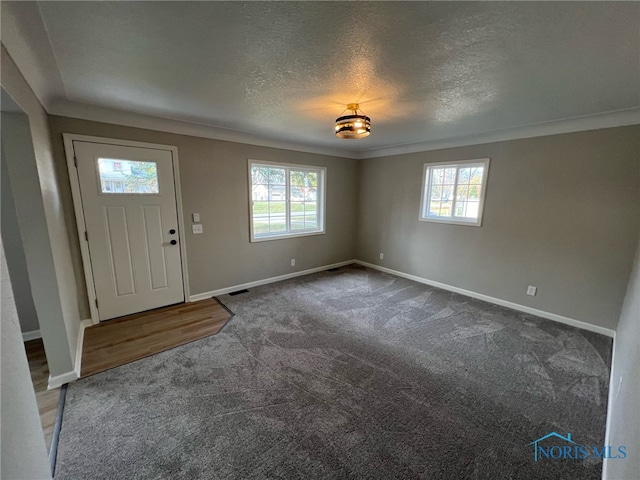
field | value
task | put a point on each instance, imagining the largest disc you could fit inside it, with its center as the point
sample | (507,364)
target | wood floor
(47,399)
(116,342)
(123,340)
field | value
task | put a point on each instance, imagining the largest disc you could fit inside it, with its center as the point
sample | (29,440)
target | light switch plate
(197,228)
(196,218)
(531,290)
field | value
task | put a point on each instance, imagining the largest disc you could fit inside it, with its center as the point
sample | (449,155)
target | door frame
(69,138)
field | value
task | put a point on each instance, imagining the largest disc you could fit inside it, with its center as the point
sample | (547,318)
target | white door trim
(69,138)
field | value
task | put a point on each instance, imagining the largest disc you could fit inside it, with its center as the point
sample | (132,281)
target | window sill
(453,222)
(285,236)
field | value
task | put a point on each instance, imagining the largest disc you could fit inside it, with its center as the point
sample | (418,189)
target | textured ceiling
(423,71)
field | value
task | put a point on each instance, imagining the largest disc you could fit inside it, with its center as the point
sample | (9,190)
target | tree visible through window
(454,192)
(286,200)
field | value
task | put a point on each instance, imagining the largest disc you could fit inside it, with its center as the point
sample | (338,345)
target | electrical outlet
(293,262)
(382,256)
(531,290)
(196,217)
(197,228)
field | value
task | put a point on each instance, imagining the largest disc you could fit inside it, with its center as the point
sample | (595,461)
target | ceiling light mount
(356,125)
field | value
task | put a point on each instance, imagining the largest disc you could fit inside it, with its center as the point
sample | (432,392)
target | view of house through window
(127,176)
(286,200)
(454,192)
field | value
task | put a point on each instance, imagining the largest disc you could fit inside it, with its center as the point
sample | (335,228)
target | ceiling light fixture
(353,126)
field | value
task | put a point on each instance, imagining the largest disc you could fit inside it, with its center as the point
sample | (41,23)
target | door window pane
(127,176)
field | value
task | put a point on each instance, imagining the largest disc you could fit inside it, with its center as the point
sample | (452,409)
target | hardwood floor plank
(47,400)
(124,340)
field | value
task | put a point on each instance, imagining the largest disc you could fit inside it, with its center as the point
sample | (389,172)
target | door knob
(172,231)
(173,242)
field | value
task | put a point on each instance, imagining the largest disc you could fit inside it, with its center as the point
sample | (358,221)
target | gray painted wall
(16,262)
(561,213)
(542,226)
(23,451)
(624,406)
(214,183)
(43,229)
(17,155)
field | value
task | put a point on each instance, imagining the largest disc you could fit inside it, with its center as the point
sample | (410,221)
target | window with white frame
(454,192)
(286,200)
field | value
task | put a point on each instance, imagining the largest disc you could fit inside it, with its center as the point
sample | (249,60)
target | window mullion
(455,191)
(287,204)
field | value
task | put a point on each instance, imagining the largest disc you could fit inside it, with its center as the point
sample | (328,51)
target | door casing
(69,138)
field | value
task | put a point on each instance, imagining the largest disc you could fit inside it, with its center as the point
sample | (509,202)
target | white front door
(129,205)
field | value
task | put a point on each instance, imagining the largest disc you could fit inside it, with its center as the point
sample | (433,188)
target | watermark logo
(570,450)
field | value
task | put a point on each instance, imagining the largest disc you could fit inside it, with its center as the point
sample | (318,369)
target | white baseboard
(257,283)
(515,306)
(59,380)
(78,365)
(533,311)
(32,335)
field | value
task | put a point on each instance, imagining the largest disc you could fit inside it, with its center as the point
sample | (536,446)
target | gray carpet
(346,374)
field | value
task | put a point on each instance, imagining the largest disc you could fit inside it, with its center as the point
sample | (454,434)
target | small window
(285,200)
(127,176)
(454,192)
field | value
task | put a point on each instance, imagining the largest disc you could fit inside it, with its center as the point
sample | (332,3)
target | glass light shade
(353,126)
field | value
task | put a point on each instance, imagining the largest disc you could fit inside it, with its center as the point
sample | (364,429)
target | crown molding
(617,118)
(96,113)
(149,122)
